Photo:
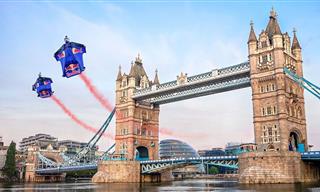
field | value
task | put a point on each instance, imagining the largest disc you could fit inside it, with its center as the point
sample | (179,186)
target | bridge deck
(156,165)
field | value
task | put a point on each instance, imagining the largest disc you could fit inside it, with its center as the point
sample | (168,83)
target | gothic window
(264,44)
(123,113)
(273,87)
(261,89)
(124,83)
(143,131)
(264,59)
(269,131)
(124,93)
(267,88)
(263,112)
(269,111)
(274,110)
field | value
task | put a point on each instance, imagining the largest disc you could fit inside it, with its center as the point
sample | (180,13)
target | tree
(9,169)
(213,170)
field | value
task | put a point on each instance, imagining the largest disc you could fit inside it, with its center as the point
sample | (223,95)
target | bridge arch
(295,138)
(142,153)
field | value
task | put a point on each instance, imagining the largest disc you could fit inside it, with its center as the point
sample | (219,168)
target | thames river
(185,185)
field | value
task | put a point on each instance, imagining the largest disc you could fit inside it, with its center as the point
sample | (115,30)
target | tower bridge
(274,73)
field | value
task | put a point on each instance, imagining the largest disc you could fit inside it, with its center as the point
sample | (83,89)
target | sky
(173,37)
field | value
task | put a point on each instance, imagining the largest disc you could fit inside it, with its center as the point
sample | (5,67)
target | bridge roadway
(151,166)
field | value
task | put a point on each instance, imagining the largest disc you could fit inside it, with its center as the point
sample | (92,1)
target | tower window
(124,83)
(264,59)
(264,44)
(270,131)
(273,87)
(269,111)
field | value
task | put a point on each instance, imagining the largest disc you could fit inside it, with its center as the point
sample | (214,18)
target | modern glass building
(171,148)
(212,152)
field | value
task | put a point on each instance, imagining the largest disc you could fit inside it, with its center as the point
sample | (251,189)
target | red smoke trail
(166,131)
(104,102)
(75,118)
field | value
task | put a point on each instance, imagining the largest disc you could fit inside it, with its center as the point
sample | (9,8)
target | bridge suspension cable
(93,141)
(312,88)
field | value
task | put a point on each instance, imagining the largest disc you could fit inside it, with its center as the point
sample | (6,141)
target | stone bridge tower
(278,102)
(137,124)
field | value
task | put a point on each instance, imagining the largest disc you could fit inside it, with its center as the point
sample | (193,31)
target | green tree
(213,170)
(9,169)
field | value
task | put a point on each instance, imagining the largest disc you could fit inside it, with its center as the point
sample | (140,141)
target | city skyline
(175,37)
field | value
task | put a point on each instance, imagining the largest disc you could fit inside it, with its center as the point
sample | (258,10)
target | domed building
(171,148)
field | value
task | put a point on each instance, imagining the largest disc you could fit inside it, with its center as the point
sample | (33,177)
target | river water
(185,185)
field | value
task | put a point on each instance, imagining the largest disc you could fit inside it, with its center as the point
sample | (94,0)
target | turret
(296,48)
(156,79)
(273,30)
(252,41)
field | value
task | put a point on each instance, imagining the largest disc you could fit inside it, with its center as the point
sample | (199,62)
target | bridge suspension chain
(304,83)
(93,141)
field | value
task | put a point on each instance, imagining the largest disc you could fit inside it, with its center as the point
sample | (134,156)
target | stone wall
(275,167)
(117,172)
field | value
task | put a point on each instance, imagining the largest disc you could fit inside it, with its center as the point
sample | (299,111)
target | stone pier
(276,167)
(117,172)
(127,172)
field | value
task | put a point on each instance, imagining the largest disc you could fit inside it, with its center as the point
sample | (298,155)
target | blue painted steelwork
(311,156)
(64,169)
(74,163)
(93,141)
(312,88)
(152,166)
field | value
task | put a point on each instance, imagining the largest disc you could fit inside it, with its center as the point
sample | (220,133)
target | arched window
(270,131)
(269,110)
(261,89)
(264,44)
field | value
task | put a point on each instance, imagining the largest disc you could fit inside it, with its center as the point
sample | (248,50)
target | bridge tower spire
(137,123)
(278,102)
